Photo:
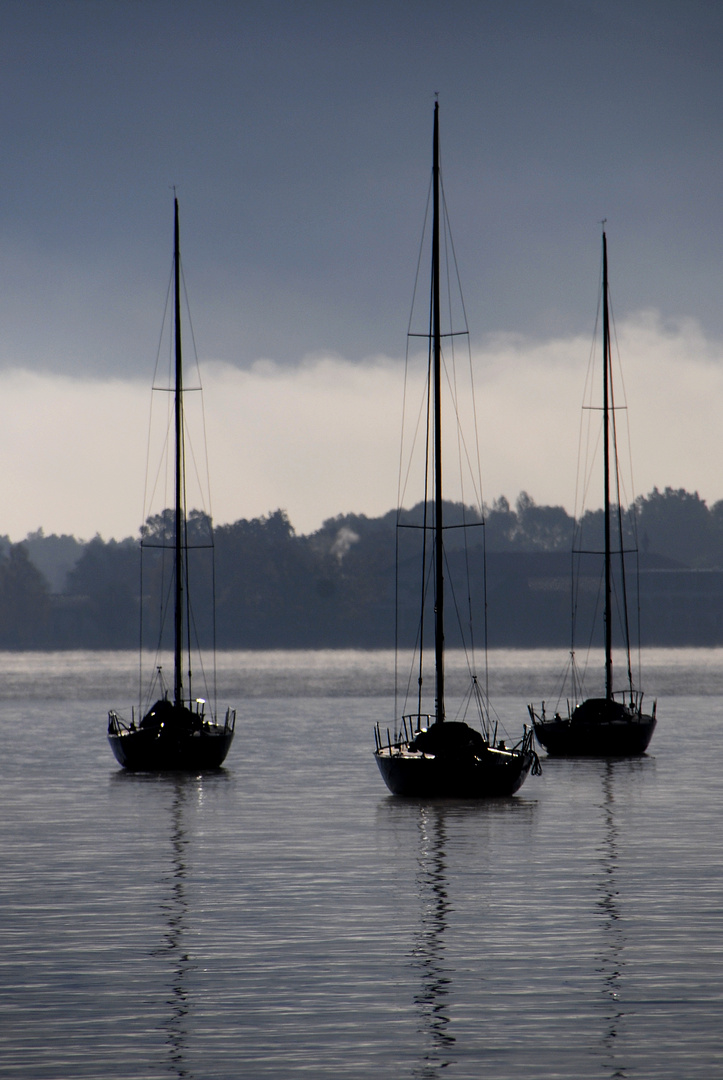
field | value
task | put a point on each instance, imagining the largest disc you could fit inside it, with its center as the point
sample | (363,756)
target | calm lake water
(286,917)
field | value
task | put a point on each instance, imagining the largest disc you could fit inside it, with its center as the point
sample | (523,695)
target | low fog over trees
(336,587)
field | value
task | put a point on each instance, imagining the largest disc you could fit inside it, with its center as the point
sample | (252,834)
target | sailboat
(614,725)
(431,756)
(176,732)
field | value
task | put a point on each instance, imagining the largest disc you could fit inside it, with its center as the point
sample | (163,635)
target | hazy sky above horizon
(298,135)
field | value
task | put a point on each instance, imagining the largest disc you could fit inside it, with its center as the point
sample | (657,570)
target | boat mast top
(437,374)
(606,459)
(179,522)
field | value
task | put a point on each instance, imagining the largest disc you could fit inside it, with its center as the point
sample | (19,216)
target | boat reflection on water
(444,878)
(428,952)
(171,963)
(612,959)
(175,907)
(615,775)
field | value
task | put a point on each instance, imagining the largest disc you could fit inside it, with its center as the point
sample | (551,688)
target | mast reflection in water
(614,774)
(612,961)
(428,951)
(166,918)
(175,909)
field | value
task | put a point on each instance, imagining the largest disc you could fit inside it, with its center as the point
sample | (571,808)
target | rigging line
(164,471)
(620,371)
(203,495)
(592,458)
(184,555)
(420,253)
(578,677)
(470,615)
(626,620)
(427,459)
(213,632)
(163,468)
(577,586)
(428,451)
(639,619)
(150,403)
(485,710)
(467,650)
(164,597)
(458,280)
(187,308)
(583,463)
(396,618)
(404,477)
(402,487)
(475,481)
(452,378)
(418,647)
(203,485)
(461,446)
(198,659)
(400,499)
(485,625)
(585,467)
(562,680)
(140,630)
(161,336)
(164,454)
(574,590)
(631,498)
(204,488)
(449,249)
(476,476)
(593,624)
(208,490)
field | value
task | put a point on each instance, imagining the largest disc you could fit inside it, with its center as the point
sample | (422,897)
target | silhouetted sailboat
(429,755)
(614,725)
(176,732)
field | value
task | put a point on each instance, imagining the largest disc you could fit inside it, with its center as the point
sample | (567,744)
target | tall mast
(437,359)
(606,456)
(179,523)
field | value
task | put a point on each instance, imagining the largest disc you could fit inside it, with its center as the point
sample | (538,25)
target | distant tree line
(336,587)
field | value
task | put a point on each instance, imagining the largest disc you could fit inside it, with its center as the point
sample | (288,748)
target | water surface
(285,917)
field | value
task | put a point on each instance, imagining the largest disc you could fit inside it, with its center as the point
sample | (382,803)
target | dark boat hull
(145,751)
(181,741)
(452,761)
(429,778)
(596,728)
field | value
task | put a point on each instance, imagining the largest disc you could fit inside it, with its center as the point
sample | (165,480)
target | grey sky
(298,135)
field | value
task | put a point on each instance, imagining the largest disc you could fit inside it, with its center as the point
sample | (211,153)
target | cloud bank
(322,438)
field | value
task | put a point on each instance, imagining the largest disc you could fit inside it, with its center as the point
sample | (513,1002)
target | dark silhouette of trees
(679,525)
(103,593)
(24,601)
(264,576)
(55,556)
(336,587)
